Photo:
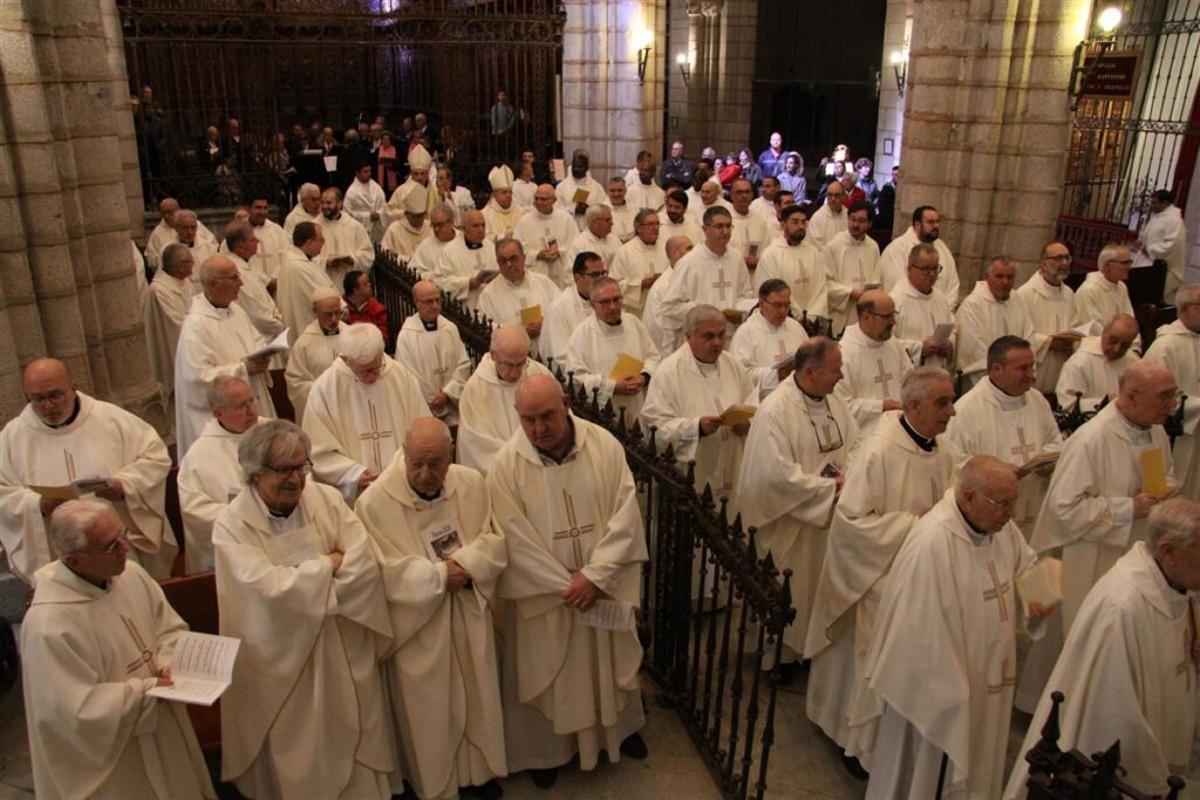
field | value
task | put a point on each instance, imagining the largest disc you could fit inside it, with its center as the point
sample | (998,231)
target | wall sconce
(643,40)
(899,59)
(685,68)
(1104,38)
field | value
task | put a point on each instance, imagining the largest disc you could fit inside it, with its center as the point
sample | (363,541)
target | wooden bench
(194,597)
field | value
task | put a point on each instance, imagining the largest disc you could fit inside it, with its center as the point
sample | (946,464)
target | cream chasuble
(824,225)
(167,302)
(632,263)
(345,237)
(893,265)
(803,268)
(565,192)
(1098,299)
(537,232)
(687,227)
(164,234)
(702,276)
(759,346)
(501,222)
(871,373)
(750,236)
(640,195)
(666,335)
(311,355)
(459,264)
(1090,376)
(586,241)
(256,301)
(1178,349)
(428,254)
(502,301)
(437,359)
(487,416)
(209,477)
(851,265)
(563,317)
(298,279)
(918,315)
(273,244)
(593,351)
(981,320)
(402,240)
(298,215)
(1052,309)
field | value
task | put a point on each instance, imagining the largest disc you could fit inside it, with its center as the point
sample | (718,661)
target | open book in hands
(1038,463)
(736,414)
(201,670)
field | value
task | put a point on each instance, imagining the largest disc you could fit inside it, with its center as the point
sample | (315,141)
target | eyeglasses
(602,273)
(778,305)
(1063,258)
(49,397)
(288,470)
(935,270)
(112,547)
(827,443)
(892,317)
(721,226)
(360,373)
(1007,506)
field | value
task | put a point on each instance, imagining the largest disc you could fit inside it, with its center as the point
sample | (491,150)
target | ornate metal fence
(709,651)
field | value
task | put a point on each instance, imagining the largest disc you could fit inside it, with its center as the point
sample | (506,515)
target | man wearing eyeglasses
(792,474)
(1177,347)
(99,635)
(926,229)
(570,308)
(768,339)
(358,410)
(1103,293)
(640,261)
(468,264)
(1091,374)
(596,237)
(519,295)
(925,316)
(874,361)
(316,347)
(800,263)
(1051,305)
(711,274)
(853,262)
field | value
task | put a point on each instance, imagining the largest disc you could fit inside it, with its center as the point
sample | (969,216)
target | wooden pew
(194,597)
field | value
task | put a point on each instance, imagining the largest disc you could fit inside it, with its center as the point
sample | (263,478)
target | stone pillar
(67,285)
(896,29)
(986,123)
(604,108)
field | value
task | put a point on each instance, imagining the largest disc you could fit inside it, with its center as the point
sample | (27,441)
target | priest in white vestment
(926,229)
(831,218)
(430,527)
(1051,306)
(302,274)
(306,714)
(622,212)
(678,222)
(711,274)
(307,208)
(208,474)
(164,232)
(705,198)
(1177,347)
(578,191)
(666,334)
(897,474)
(253,298)
(852,264)
(921,310)
(799,262)
(429,252)
(764,204)
(487,417)
(570,308)
(518,296)
(874,362)
(468,263)
(405,234)
(216,338)
(792,472)
(1128,668)
(642,191)
(273,241)
(430,347)
(750,234)
(942,665)
(596,237)
(990,311)
(1163,239)
(1103,293)
(523,185)
(766,342)
(347,244)
(366,203)
(358,410)
(420,163)
(602,340)
(187,233)
(545,233)
(565,502)
(691,391)
(640,262)
(501,214)
(63,436)
(1091,374)
(168,298)
(98,636)
(315,349)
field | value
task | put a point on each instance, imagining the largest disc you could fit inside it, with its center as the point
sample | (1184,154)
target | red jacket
(373,312)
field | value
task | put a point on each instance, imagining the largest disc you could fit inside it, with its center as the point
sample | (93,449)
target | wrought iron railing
(712,651)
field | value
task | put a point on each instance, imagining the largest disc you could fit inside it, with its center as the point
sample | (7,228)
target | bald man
(666,335)
(316,347)
(64,438)
(467,264)
(432,349)
(430,525)
(546,232)
(1091,374)
(569,687)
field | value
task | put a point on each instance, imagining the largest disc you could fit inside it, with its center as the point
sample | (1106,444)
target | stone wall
(891,104)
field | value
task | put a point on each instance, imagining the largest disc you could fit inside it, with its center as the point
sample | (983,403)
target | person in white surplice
(640,262)
(802,264)
(874,362)
(347,243)
(768,338)
(406,234)
(297,582)
(1103,293)
(711,274)
(429,252)
(666,335)
(990,311)
(216,338)
(1128,669)
(570,308)
(307,208)
(241,247)
(545,233)
(830,219)
(302,273)
(1090,375)
(899,472)
(164,232)
(565,502)
(358,410)
(942,665)
(921,309)
(467,263)
(430,347)
(208,474)
(852,259)
(168,298)
(63,436)
(792,473)
(315,349)
(519,294)
(98,636)
(1177,347)
(366,203)
(501,214)
(430,526)
(1051,306)
(926,229)
(596,237)
(750,234)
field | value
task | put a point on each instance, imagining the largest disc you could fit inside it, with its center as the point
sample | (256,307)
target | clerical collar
(616,324)
(978,537)
(1139,431)
(811,398)
(68,420)
(428,498)
(429,326)
(471,246)
(922,442)
(104,585)
(1007,401)
(569,448)
(332,332)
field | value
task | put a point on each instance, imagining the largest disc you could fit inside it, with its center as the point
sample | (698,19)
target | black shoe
(544,778)
(634,747)
(855,768)
(487,791)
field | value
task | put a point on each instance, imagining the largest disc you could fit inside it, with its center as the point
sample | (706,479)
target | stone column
(986,123)
(67,285)
(891,105)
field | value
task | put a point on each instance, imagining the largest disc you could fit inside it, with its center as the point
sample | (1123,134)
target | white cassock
(568,688)
(537,231)
(487,414)
(1088,510)
(891,482)
(639,195)
(1088,374)
(697,209)
(1052,309)
(445,642)
(299,277)
(1164,237)
(565,192)
(298,215)
(212,343)
(665,334)
(782,490)
(942,665)
(851,265)
(167,302)
(1098,299)
(459,264)
(273,244)
(345,237)
(437,359)
(355,426)
(429,254)
(103,441)
(871,373)
(501,222)
(565,314)
(593,351)
(633,262)
(824,225)
(502,300)
(364,199)
(702,276)
(750,235)
(760,346)
(982,319)
(1178,349)
(1127,673)
(803,268)
(622,221)
(765,209)
(306,679)
(989,422)
(209,478)
(164,234)
(918,315)
(683,391)
(523,192)
(893,265)
(312,354)
(586,241)
(687,227)
(89,656)
(402,240)
(256,301)
(201,249)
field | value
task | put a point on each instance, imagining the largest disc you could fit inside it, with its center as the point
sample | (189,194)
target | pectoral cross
(883,378)
(1023,451)
(146,655)
(997,592)
(1007,678)
(721,284)
(69,461)
(573,530)
(801,283)
(782,347)
(374,435)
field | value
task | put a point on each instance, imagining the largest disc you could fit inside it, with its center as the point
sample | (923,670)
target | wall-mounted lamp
(1109,20)
(899,59)
(685,68)
(1101,42)
(644,40)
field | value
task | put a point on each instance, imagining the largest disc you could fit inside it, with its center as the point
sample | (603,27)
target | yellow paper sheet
(736,414)
(531,314)
(1154,472)
(626,367)
(56,492)
(1041,583)
(580,197)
